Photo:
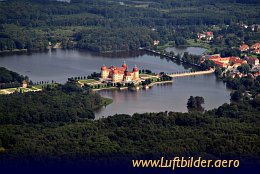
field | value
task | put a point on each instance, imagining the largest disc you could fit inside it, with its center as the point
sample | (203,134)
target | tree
(244,68)
(218,72)
(194,103)
(178,57)
(236,96)
(208,64)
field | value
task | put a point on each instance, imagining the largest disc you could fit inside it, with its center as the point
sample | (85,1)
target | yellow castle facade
(120,74)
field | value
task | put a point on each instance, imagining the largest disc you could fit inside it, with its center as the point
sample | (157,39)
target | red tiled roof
(256,46)
(209,33)
(244,47)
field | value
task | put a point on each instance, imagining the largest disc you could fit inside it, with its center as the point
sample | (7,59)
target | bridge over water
(169,56)
(191,73)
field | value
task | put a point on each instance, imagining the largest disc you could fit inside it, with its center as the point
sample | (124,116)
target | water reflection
(167,97)
(191,50)
(60,64)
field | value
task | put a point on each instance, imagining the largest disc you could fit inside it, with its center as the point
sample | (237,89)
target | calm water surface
(191,50)
(60,64)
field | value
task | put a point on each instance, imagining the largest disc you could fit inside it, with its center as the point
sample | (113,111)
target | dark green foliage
(67,103)
(229,131)
(236,96)
(244,68)
(207,64)
(124,39)
(195,59)
(10,79)
(194,103)
(7,76)
(108,26)
(244,83)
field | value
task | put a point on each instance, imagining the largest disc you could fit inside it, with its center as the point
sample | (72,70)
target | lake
(60,64)
(190,50)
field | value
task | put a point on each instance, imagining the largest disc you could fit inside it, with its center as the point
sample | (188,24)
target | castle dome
(103,67)
(135,69)
(124,65)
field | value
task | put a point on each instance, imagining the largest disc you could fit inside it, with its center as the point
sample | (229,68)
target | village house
(227,62)
(206,35)
(244,47)
(256,46)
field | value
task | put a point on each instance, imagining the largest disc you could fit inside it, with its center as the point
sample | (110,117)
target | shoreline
(126,88)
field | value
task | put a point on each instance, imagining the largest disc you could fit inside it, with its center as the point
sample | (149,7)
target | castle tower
(124,65)
(114,76)
(136,73)
(104,72)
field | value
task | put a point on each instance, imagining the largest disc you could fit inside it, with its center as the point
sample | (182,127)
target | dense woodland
(57,124)
(65,103)
(10,79)
(105,26)
(230,131)
(7,76)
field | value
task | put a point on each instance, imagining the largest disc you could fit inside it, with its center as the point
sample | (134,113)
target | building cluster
(240,75)
(231,63)
(227,62)
(254,48)
(206,35)
(119,74)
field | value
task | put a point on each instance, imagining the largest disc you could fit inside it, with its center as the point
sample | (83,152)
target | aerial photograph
(129,86)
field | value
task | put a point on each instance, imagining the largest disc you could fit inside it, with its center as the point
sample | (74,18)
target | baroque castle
(120,74)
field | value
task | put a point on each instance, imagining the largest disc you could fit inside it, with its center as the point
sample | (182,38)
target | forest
(56,125)
(10,79)
(230,131)
(64,103)
(105,26)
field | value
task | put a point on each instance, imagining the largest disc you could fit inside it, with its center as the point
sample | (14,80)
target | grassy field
(146,75)
(192,42)
(40,86)
(33,88)
(107,101)
(87,81)
(12,90)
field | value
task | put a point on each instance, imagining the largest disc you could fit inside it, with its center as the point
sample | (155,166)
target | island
(122,78)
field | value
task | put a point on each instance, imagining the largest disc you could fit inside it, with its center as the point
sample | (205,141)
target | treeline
(230,131)
(10,79)
(7,76)
(32,24)
(64,103)
(123,39)
(247,83)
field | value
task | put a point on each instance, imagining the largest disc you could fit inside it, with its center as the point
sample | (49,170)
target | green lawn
(107,101)
(145,75)
(87,81)
(192,42)
(12,89)
(37,87)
